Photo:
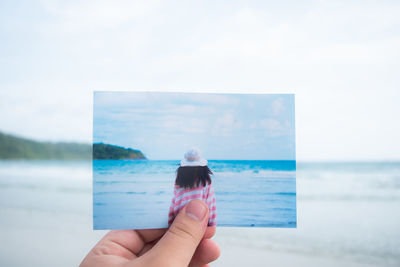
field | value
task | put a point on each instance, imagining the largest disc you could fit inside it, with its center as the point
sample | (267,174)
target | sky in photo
(222,126)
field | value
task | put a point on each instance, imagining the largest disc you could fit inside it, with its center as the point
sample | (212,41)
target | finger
(179,243)
(210,232)
(207,251)
(124,243)
(151,237)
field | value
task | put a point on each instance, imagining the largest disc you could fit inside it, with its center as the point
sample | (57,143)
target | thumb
(177,246)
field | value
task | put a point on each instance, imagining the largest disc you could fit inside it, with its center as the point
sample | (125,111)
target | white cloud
(277,106)
(183,109)
(272,127)
(226,124)
(180,124)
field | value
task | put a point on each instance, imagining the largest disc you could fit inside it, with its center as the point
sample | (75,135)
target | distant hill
(106,151)
(13,147)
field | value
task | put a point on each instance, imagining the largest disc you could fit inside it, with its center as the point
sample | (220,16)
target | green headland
(14,147)
(106,151)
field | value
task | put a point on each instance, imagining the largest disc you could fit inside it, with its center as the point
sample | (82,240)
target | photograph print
(154,152)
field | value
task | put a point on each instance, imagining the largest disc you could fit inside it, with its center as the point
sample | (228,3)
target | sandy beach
(36,238)
(274,258)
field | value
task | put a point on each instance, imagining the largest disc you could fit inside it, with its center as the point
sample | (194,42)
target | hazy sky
(222,126)
(340,58)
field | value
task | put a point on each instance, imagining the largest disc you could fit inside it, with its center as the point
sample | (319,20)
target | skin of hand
(186,243)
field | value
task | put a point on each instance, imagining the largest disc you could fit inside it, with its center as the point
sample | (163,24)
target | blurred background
(340,58)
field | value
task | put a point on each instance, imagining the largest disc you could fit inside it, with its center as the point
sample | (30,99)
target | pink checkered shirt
(183,196)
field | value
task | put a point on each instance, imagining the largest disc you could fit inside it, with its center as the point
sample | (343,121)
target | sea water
(345,210)
(137,194)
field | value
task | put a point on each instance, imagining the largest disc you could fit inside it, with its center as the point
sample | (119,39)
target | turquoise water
(129,194)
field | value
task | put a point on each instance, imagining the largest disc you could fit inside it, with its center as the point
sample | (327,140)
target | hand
(186,243)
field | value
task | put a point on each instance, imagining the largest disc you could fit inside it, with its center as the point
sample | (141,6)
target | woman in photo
(193,181)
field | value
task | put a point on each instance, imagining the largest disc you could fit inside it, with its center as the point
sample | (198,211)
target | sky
(340,58)
(223,126)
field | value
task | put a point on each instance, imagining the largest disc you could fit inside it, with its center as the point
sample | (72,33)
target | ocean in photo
(347,213)
(136,194)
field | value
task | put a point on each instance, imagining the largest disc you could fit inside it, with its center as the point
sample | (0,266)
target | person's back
(193,181)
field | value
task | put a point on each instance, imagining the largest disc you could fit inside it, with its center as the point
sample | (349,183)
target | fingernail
(196,210)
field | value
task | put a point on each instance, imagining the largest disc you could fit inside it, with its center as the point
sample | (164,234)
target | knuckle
(101,250)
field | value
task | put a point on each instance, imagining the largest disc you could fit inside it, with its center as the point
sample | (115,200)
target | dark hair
(193,176)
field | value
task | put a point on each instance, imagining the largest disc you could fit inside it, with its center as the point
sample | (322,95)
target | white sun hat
(193,158)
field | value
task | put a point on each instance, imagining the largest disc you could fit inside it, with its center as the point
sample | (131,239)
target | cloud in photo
(223,126)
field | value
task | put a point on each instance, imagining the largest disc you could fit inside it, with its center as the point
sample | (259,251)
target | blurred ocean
(131,194)
(348,212)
